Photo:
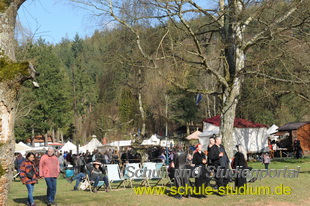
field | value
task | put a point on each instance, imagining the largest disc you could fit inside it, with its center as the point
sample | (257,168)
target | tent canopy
(238,123)
(251,135)
(21,147)
(121,143)
(92,145)
(153,140)
(272,129)
(68,146)
(194,135)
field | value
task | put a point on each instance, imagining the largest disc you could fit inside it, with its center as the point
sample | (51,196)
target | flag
(198,98)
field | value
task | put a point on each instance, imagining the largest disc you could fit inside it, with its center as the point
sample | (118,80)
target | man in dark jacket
(179,164)
(220,161)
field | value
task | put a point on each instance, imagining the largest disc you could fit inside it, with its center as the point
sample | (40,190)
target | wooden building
(299,130)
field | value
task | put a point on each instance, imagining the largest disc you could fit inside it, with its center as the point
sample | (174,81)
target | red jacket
(24,168)
(49,166)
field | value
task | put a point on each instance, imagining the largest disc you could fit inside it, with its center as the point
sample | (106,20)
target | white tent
(121,143)
(271,130)
(153,140)
(21,148)
(37,149)
(23,144)
(92,145)
(194,135)
(69,146)
(251,135)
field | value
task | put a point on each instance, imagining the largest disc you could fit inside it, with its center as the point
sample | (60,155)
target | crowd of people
(215,155)
(51,164)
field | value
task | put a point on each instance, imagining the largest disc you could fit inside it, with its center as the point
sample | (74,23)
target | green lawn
(300,192)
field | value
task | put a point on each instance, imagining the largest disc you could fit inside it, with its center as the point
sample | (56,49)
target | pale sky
(54,19)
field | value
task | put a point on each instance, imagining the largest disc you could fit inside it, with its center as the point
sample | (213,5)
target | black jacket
(240,161)
(198,157)
(215,158)
(179,160)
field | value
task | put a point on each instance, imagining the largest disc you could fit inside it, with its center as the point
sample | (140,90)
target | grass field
(300,192)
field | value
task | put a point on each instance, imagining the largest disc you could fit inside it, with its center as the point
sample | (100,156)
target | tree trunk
(227,120)
(61,137)
(142,115)
(32,137)
(234,39)
(8,92)
(57,135)
(187,128)
(46,140)
(53,135)
(140,103)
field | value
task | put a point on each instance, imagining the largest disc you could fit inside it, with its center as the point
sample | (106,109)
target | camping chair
(90,184)
(154,172)
(135,166)
(114,175)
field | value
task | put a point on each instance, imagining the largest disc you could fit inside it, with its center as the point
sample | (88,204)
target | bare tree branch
(258,74)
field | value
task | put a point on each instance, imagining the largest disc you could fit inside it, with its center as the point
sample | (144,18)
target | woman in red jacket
(29,175)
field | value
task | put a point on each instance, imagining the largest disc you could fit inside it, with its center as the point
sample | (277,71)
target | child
(266,160)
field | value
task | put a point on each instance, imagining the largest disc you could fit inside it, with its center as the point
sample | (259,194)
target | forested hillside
(101,85)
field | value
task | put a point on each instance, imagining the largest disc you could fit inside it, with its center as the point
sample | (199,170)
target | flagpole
(167,157)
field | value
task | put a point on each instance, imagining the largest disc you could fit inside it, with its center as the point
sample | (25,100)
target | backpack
(84,185)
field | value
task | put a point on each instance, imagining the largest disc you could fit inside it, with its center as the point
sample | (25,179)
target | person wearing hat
(96,174)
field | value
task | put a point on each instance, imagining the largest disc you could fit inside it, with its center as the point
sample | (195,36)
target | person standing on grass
(179,164)
(29,175)
(266,160)
(200,161)
(240,161)
(49,170)
(220,161)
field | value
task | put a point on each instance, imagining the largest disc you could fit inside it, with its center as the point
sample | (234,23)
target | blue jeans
(30,188)
(97,179)
(51,183)
(78,179)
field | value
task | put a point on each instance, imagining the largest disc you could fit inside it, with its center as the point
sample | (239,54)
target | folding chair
(153,172)
(100,185)
(135,167)
(91,183)
(86,184)
(15,176)
(114,175)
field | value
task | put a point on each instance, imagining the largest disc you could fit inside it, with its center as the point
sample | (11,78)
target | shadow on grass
(24,200)
(290,160)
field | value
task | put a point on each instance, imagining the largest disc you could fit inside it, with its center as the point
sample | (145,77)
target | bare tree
(230,27)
